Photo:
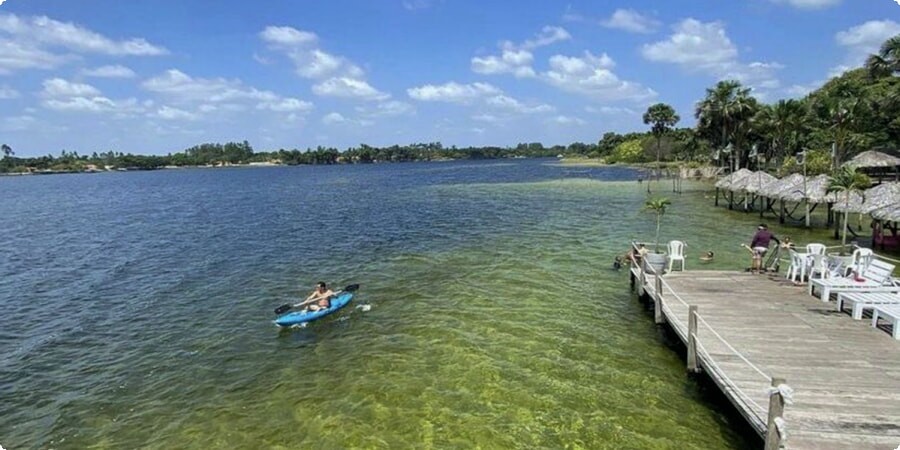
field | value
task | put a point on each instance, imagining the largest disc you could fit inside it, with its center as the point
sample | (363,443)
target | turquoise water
(137,310)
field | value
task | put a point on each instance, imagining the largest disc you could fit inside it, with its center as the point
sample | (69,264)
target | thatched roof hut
(755,182)
(889,213)
(815,190)
(774,189)
(732,179)
(885,194)
(855,204)
(872,158)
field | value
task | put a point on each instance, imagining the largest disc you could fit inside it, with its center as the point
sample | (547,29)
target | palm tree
(723,110)
(887,61)
(7,151)
(663,118)
(846,182)
(841,117)
(783,122)
(658,206)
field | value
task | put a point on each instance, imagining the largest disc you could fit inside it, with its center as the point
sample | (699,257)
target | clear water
(137,307)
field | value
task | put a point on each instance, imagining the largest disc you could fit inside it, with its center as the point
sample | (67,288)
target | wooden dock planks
(845,374)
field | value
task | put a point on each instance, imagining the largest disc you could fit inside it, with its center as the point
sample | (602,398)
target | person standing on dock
(760,245)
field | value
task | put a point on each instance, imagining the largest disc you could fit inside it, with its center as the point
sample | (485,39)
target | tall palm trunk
(844,232)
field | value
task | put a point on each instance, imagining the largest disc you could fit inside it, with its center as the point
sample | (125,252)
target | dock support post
(692,365)
(717,196)
(776,409)
(643,278)
(657,303)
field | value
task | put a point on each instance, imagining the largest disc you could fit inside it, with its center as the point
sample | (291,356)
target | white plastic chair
(797,271)
(861,259)
(676,253)
(815,249)
(822,268)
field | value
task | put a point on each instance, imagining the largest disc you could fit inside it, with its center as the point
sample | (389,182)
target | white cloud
(548,35)
(566,120)
(57,87)
(170,113)
(705,47)
(42,30)
(590,75)
(810,4)
(286,105)
(346,87)
(452,92)
(516,62)
(866,38)
(288,36)
(316,64)
(507,103)
(341,77)
(332,118)
(388,108)
(17,56)
(694,44)
(611,110)
(182,87)
(43,43)
(631,20)
(8,93)
(517,58)
(115,71)
(81,104)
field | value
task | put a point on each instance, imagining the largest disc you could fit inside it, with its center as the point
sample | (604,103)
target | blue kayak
(296,318)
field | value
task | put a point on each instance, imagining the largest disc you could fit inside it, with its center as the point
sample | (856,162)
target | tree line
(858,110)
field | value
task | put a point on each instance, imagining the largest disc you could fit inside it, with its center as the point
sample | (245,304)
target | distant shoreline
(141,169)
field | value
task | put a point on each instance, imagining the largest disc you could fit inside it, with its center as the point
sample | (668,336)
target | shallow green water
(495,322)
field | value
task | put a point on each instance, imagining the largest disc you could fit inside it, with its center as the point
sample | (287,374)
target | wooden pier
(751,332)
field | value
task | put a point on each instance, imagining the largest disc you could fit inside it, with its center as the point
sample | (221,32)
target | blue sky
(157,77)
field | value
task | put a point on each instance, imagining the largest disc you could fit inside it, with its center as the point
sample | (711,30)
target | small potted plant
(657,206)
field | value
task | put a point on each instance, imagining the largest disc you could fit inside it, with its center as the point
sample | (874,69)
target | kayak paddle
(288,306)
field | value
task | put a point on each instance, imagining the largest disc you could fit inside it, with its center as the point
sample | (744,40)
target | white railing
(767,420)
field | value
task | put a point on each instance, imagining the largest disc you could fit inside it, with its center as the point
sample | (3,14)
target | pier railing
(708,350)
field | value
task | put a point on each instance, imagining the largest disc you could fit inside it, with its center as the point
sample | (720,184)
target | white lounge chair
(875,278)
(859,301)
(891,313)
(676,253)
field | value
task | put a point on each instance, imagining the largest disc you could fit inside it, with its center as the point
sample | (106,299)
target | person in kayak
(320,298)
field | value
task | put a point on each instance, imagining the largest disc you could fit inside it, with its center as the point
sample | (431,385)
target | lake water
(137,308)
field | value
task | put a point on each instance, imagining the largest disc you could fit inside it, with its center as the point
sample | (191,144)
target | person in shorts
(760,246)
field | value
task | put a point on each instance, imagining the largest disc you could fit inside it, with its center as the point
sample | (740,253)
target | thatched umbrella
(872,158)
(728,184)
(885,194)
(813,192)
(757,181)
(729,181)
(790,182)
(889,213)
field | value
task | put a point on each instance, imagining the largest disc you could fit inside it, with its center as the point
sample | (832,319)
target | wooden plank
(845,374)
